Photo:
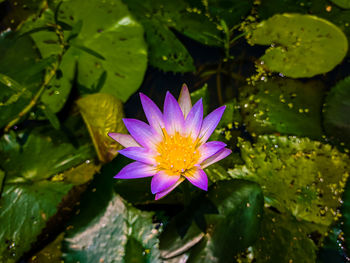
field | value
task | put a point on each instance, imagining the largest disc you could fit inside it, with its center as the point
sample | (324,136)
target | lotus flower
(173,147)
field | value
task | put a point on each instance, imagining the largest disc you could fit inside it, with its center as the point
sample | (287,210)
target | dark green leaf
(112,33)
(24,210)
(166,51)
(231,217)
(336,112)
(283,105)
(89,51)
(283,239)
(55,122)
(202,93)
(21,75)
(43,154)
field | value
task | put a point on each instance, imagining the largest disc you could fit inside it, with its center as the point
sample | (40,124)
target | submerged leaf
(102,114)
(296,40)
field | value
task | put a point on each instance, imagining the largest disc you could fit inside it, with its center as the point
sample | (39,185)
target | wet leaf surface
(109,229)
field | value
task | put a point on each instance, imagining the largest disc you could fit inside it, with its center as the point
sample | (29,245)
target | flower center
(176,153)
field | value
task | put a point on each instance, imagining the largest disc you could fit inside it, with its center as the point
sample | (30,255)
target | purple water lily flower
(173,147)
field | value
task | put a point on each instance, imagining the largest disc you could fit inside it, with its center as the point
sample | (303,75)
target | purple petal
(142,133)
(185,100)
(162,181)
(168,190)
(136,170)
(173,116)
(124,139)
(139,154)
(210,122)
(198,178)
(216,157)
(208,149)
(153,113)
(194,120)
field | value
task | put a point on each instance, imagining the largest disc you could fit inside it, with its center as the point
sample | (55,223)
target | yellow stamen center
(177,153)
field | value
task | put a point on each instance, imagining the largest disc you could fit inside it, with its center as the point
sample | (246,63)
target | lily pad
(25,209)
(96,43)
(281,105)
(102,114)
(41,156)
(298,176)
(342,3)
(336,112)
(115,231)
(109,30)
(296,40)
(283,239)
(165,49)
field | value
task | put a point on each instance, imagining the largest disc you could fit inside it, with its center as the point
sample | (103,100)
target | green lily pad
(286,106)
(296,40)
(24,210)
(102,114)
(283,239)
(165,49)
(336,112)
(110,30)
(231,207)
(342,3)
(40,157)
(115,231)
(298,176)
(110,42)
